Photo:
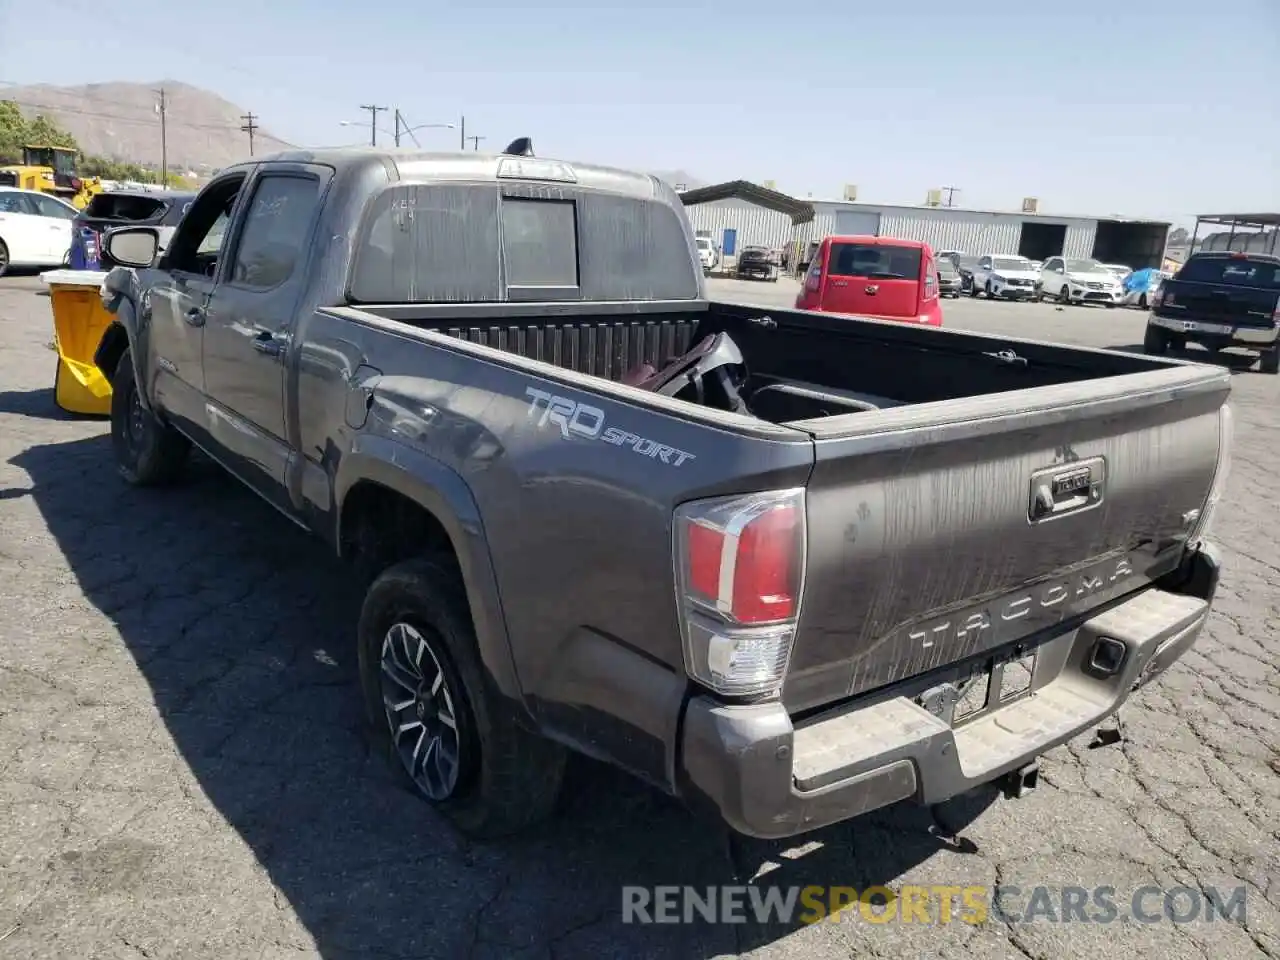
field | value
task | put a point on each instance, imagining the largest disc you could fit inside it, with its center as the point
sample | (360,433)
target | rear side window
(466,243)
(874,260)
(1236,271)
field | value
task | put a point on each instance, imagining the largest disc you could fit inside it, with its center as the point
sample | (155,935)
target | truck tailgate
(941,531)
(1221,302)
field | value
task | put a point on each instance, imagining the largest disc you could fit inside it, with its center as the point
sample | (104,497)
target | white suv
(1074,280)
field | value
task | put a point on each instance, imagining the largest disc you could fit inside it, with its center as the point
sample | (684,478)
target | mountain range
(122,121)
(203,131)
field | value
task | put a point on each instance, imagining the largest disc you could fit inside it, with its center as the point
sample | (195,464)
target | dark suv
(119,208)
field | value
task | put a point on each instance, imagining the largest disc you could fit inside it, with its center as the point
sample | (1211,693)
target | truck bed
(918,509)
(863,357)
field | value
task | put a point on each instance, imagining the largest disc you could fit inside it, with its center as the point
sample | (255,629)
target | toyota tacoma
(787,566)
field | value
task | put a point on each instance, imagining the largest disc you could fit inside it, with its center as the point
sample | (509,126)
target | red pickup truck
(883,278)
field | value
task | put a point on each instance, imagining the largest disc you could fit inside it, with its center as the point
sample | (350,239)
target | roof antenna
(519,147)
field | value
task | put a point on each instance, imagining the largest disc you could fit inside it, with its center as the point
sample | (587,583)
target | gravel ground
(183,772)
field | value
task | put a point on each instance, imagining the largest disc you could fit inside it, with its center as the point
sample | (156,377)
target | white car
(707,253)
(1075,280)
(1008,276)
(35,229)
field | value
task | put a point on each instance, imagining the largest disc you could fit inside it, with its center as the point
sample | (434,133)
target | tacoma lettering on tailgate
(979,627)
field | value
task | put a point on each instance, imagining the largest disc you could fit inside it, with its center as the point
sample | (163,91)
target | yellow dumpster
(79,320)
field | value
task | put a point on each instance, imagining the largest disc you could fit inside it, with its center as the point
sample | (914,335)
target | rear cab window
(503,242)
(1232,271)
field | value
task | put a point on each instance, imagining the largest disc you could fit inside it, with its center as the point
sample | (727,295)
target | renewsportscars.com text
(931,904)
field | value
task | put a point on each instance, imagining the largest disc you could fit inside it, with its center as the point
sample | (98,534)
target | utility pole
(373,122)
(398,121)
(950,192)
(162,108)
(249,127)
(462,145)
(475,142)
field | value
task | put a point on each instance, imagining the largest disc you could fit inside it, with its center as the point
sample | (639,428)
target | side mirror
(132,246)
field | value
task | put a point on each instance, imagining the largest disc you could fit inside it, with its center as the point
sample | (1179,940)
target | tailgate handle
(1066,488)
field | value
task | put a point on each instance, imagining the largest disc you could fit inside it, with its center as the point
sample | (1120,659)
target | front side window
(49,207)
(276,229)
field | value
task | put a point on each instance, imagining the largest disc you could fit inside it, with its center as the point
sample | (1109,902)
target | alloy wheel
(420,712)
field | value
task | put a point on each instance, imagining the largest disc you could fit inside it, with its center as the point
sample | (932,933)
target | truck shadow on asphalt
(242,628)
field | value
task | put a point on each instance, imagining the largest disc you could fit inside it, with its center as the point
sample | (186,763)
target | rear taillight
(740,565)
(1226,440)
(814,280)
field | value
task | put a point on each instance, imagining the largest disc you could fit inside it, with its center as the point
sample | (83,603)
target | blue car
(1140,287)
(121,208)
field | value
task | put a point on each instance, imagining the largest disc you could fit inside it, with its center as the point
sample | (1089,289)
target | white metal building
(741,214)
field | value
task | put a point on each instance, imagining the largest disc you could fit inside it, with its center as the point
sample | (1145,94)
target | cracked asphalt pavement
(184,773)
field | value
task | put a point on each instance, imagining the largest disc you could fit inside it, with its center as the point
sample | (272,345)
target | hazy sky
(1129,106)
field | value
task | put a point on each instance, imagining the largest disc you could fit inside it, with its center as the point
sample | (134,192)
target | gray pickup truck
(788,567)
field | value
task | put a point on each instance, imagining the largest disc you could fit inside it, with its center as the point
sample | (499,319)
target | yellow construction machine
(51,170)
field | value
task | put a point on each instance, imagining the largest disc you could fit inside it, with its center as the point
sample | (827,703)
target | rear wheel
(1269,362)
(1064,295)
(1155,342)
(454,738)
(4,259)
(148,451)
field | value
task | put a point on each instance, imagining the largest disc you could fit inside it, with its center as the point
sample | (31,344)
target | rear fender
(441,491)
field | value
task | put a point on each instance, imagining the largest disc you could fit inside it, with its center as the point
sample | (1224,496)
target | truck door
(175,311)
(250,321)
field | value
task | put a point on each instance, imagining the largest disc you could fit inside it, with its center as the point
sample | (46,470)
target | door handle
(265,343)
(194,316)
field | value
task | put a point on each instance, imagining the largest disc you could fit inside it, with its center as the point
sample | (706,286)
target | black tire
(1064,295)
(1269,362)
(973,289)
(4,259)
(506,778)
(148,452)
(987,291)
(1155,342)
(1142,302)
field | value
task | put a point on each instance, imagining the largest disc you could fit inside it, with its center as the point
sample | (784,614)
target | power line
(373,121)
(249,127)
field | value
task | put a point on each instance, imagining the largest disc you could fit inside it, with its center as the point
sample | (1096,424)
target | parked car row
(1064,279)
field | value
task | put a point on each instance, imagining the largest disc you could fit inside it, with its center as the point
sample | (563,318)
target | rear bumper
(767,778)
(1227,333)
